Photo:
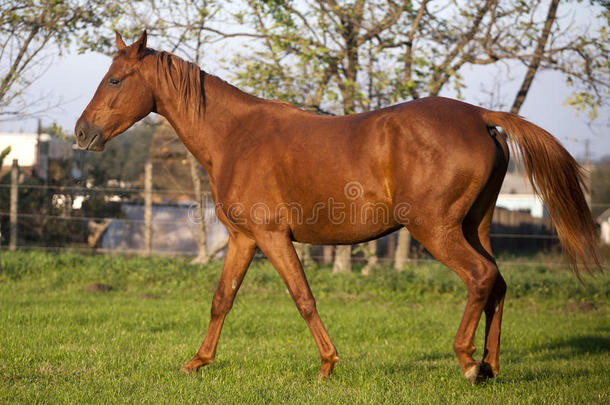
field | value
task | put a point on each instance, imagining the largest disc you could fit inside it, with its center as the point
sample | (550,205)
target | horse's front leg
(239,255)
(279,249)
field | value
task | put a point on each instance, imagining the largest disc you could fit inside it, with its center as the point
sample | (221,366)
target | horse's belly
(343,229)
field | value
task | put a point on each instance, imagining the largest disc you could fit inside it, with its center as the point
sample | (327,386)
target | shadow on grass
(433,357)
(565,349)
(576,346)
(538,376)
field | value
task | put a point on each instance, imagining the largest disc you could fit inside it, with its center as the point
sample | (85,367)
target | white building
(33,150)
(517,194)
(604,223)
(175,229)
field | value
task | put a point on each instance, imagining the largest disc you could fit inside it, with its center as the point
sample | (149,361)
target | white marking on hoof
(472,373)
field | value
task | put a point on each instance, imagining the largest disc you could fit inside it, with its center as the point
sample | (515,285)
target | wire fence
(126,221)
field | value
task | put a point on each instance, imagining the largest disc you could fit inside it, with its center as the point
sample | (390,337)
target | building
(604,223)
(34,151)
(517,194)
(174,230)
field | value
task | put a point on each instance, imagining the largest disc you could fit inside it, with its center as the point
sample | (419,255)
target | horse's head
(123,97)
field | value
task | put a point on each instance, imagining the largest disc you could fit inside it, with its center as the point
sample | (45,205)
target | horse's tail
(559,180)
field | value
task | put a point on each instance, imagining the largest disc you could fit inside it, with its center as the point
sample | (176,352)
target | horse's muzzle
(88,136)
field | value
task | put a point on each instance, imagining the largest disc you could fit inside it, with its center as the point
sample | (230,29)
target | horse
(279,174)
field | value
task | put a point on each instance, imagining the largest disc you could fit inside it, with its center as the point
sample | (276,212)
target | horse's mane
(184,77)
(188,80)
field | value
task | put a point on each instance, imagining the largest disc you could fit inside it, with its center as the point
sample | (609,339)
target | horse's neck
(209,133)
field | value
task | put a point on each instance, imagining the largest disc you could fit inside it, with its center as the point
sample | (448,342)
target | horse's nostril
(81,134)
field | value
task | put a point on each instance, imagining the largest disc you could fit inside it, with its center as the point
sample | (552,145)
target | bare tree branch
(441,73)
(407,77)
(535,62)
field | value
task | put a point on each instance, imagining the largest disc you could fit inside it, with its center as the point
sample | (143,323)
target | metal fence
(137,226)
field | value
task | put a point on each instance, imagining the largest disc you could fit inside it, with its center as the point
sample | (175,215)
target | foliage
(393,331)
(351,56)
(43,205)
(42,213)
(123,159)
(120,165)
(324,54)
(184,25)
(3,154)
(28,30)
(45,214)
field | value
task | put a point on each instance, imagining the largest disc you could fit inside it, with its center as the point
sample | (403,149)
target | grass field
(60,342)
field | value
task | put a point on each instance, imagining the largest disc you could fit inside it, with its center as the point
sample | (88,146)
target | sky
(73,78)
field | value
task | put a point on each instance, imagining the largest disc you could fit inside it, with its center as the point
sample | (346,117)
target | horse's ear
(140,44)
(120,44)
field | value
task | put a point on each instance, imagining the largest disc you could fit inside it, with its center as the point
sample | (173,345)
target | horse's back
(415,153)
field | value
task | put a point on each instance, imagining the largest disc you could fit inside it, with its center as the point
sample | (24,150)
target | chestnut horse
(279,174)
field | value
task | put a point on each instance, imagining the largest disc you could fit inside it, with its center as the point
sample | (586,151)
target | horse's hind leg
(476,231)
(450,247)
(478,236)
(240,252)
(476,227)
(493,324)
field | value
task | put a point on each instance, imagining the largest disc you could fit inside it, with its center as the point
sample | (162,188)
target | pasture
(63,341)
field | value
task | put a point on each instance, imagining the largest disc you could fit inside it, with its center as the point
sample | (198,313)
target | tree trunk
(304,252)
(370,252)
(327,255)
(391,239)
(343,259)
(535,63)
(343,254)
(402,249)
(306,259)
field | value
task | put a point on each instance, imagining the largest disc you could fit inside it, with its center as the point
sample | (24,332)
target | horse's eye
(114,82)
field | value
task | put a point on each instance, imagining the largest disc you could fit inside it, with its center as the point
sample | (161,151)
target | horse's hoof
(327,367)
(472,373)
(188,368)
(192,366)
(479,373)
(486,371)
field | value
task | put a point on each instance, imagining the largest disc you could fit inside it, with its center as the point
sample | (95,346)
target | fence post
(148,208)
(13,211)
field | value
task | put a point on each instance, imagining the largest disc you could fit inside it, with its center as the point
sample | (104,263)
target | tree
(44,205)
(181,23)
(28,29)
(340,57)
(321,54)
(534,64)
(184,25)
(122,160)
(317,55)
(3,154)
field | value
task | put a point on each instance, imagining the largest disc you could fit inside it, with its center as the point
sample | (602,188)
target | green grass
(60,343)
